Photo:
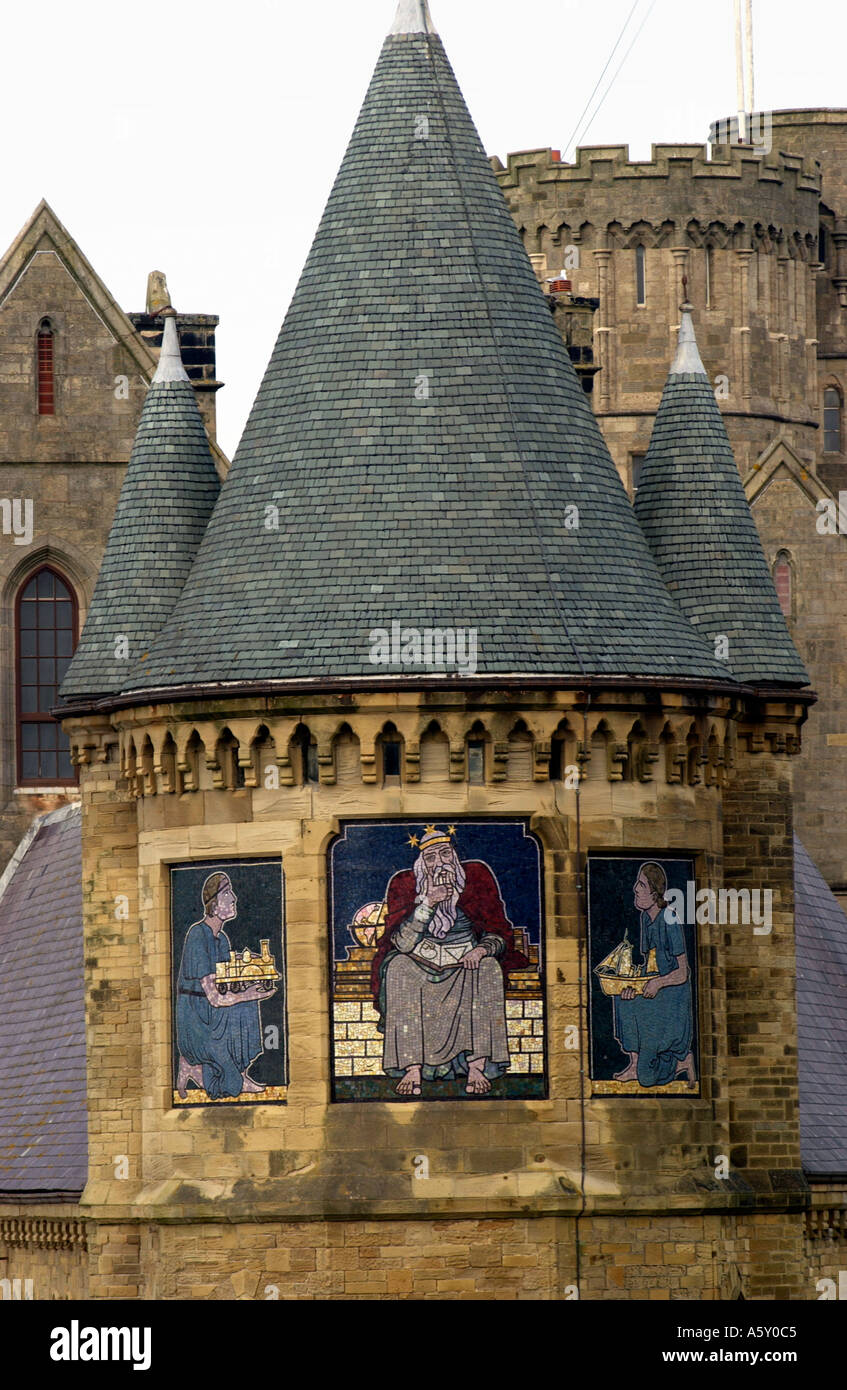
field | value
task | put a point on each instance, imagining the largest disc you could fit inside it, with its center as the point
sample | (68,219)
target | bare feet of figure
(411,1083)
(630,1072)
(188,1073)
(250,1084)
(686,1069)
(478,1083)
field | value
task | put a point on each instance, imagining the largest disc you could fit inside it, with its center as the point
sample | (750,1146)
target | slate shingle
(821,947)
(421,432)
(43,1122)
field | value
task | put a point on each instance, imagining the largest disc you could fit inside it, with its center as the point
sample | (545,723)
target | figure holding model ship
(652,1000)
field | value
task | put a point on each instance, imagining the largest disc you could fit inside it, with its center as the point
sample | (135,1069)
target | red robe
(480,901)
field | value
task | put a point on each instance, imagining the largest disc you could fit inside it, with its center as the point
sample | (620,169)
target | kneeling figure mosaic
(644,976)
(229,977)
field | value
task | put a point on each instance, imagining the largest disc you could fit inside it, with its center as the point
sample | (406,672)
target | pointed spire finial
(687,358)
(412,17)
(170,366)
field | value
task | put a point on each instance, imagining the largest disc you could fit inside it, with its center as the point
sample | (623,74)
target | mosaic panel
(437,961)
(229,1019)
(643,973)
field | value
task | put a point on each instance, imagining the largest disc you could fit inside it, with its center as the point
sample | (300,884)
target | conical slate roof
(692,509)
(169,489)
(420,441)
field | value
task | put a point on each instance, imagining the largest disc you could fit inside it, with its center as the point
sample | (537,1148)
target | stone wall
(666,1256)
(825,1247)
(784,501)
(43,1251)
(761,968)
(315,1198)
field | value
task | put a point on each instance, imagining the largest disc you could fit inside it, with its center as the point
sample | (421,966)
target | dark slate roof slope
(168,493)
(43,1125)
(821,945)
(422,433)
(693,511)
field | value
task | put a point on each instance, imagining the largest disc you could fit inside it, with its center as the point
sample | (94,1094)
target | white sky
(203,139)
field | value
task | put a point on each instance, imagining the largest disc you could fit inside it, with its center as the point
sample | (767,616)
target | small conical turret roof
(169,489)
(420,451)
(692,509)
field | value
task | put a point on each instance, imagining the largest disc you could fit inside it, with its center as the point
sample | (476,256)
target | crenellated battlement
(735,196)
(726,162)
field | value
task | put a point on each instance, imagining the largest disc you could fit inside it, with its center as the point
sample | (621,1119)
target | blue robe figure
(658,1031)
(214,1041)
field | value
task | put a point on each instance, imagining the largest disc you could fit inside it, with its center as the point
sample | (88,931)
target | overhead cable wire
(601,103)
(603,73)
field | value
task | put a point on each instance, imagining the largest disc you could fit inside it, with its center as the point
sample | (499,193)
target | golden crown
(432,836)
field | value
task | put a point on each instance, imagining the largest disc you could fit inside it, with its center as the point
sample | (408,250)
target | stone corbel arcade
(675,738)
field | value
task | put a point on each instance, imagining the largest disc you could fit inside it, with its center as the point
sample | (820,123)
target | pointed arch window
(640,276)
(306,742)
(783,580)
(45,341)
(832,405)
(636,462)
(390,746)
(46,616)
(710,277)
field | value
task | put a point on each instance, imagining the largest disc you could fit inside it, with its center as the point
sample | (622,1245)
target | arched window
(783,583)
(391,748)
(46,390)
(46,632)
(640,276)
(475,745)
(305,741)
(832,420)
(710,277)
(636,463)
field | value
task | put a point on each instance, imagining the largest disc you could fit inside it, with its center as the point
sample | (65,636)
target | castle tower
(760,233)
(424,685)
(741,224)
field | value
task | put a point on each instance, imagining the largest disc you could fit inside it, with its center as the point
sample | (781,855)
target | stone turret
(166,499)
(417,449)
(692,509)
(362,481)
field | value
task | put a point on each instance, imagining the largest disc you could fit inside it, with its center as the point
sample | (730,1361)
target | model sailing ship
(617,972)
